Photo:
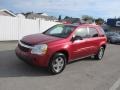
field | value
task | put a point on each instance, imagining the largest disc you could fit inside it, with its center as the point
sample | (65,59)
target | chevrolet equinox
(62,44)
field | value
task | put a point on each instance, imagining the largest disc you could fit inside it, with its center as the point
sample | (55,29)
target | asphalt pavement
(85,74)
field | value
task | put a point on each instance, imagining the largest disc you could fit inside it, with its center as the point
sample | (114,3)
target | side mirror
(77,38)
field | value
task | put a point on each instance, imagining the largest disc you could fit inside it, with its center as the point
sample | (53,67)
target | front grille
(23,48)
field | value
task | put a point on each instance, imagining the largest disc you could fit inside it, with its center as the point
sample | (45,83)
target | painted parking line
(115,85)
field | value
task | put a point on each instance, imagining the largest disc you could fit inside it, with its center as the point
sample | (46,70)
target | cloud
(97,8)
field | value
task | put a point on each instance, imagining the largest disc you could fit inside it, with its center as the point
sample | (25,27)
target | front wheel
(100,53)
(57,63)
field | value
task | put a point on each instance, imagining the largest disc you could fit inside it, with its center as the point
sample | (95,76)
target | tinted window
(93,32)
(82,32)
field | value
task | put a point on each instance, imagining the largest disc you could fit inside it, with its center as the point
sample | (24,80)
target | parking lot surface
(84,74)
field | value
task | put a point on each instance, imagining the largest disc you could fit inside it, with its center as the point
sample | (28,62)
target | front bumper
(37,60)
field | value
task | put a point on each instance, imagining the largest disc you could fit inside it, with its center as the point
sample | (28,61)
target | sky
(74,8)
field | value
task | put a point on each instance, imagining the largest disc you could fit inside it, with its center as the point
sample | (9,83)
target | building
(113,22)
(5,12)
(32,15)
(19,15)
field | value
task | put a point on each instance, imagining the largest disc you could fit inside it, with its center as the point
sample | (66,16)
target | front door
(80,48)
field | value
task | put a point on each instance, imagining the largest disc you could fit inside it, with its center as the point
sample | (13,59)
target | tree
(99,21)
(87,19)
(66,17)
(59,18)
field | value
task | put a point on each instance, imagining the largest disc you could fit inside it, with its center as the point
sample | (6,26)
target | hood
(38,39)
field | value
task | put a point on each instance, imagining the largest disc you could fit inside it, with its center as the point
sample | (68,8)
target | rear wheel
(100,53)
(57,63)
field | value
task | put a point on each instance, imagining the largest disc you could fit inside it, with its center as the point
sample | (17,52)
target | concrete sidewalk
(8,45)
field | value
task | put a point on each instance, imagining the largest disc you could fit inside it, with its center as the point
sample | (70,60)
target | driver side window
(82,32)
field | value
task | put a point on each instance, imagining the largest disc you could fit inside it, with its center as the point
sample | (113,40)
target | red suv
(61,44)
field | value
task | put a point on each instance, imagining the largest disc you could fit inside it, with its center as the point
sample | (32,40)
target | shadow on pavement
(88,59)
(11,66)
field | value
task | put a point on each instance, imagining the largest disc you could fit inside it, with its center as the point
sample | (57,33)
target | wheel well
(65,53)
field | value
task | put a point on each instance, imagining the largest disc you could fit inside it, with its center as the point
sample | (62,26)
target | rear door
(94,40)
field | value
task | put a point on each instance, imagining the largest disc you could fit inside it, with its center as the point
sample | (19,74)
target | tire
(57,63)
(100,53)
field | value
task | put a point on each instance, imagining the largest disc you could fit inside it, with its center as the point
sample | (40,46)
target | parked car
(62,44)
(119,32)
(113,37)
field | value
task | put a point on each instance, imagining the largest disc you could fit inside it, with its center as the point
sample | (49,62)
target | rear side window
(82,32)
(93,32)
(102,31)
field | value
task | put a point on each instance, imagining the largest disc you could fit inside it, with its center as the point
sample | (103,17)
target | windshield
(62,31)
(116,34)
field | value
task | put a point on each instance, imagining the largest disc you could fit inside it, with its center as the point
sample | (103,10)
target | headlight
(39,49)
